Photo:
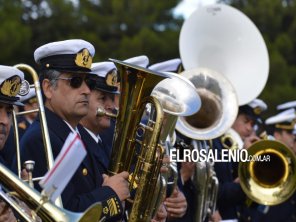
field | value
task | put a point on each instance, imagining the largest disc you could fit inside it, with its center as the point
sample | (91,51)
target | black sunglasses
(76,81)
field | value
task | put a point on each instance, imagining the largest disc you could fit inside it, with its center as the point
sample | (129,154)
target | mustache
(3,129)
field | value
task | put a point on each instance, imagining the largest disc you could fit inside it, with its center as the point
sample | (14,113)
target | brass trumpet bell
(272,180)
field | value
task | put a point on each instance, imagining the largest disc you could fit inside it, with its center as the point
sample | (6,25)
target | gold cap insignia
(111,78)
(84,172)
(83,59)
(11,86)
(257,110)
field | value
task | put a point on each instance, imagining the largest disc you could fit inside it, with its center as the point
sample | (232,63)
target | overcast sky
(186,7)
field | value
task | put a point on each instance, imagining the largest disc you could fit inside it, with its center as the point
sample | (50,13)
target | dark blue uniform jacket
(85,187)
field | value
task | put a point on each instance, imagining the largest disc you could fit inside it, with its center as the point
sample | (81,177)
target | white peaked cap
(166,66)
(258,103)
(287,105)
(141,61)
(30,95)
(65,47)
(285,116)
(102,68)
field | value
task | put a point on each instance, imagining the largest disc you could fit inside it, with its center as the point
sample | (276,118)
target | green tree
(127,28)
(276,20)
(118,28)
(14,35)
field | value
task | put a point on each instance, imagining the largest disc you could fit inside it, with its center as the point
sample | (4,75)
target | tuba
(175,103)
(219,44)
(141,157)
(139,141)
(223,39)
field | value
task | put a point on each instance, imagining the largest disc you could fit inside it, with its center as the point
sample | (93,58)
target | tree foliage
(125,28)
(117,28)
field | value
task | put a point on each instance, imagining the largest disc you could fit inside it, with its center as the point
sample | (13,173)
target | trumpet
(272,181)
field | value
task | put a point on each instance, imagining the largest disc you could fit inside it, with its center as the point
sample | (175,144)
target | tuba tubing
(137,84)
(175,103)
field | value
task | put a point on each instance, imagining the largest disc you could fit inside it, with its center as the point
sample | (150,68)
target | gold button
(84,171)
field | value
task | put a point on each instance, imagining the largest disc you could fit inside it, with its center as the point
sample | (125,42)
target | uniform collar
(97,138)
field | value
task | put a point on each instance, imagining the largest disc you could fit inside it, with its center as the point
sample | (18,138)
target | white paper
(72,154)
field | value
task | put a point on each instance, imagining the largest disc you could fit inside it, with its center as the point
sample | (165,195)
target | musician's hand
(248,141)
(236,180)
(118,183)
(6,214)
(161,214)
(215,217)
(24,174)
(176,204)
(187,170)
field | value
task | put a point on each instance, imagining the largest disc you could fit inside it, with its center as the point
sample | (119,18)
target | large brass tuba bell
(224,39)
(219,105)
(273,180)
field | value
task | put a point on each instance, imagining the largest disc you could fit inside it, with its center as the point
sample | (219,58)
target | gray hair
(51,75)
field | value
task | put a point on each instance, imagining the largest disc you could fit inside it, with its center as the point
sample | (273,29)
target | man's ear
(277,135)
(47,88)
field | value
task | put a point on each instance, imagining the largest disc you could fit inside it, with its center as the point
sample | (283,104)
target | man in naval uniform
(10,83)
(281,126)
(231,198)
(66,86)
